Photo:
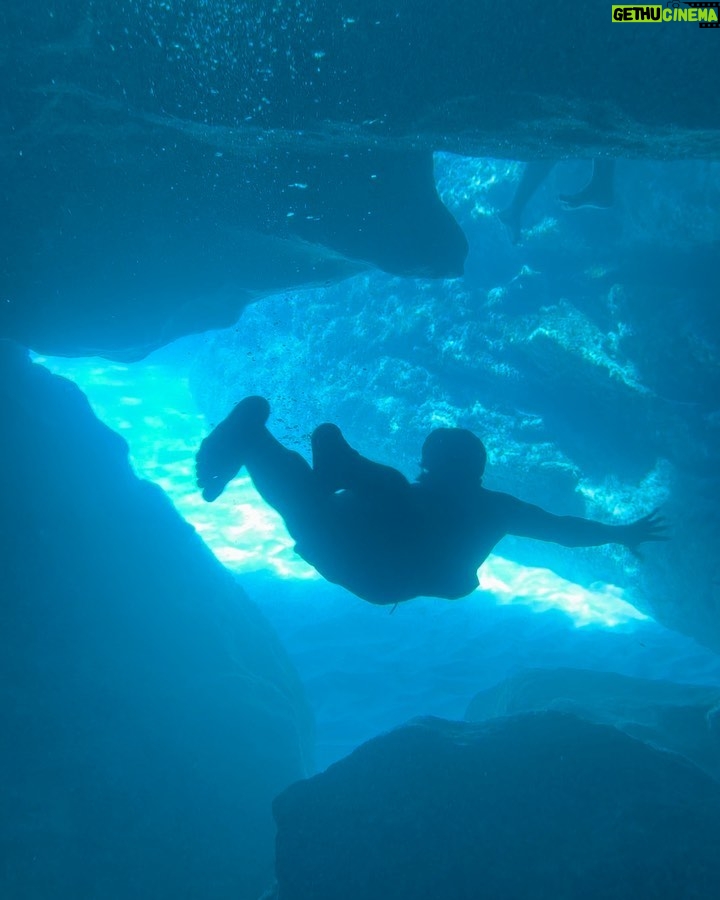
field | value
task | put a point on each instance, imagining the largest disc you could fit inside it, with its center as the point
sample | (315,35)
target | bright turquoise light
(150,405)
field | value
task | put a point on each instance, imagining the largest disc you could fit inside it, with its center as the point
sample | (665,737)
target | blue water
(204,200)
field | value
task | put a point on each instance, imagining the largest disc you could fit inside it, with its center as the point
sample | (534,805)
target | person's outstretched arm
(526,520)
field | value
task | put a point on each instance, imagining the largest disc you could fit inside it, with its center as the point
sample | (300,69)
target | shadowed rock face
(546,805)
(133,240)
(163,168)
(682,718)
(149,712)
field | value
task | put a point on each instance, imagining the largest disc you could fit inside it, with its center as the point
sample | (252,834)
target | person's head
(453,456)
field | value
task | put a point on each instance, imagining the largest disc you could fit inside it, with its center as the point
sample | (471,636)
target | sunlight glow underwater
(151,406)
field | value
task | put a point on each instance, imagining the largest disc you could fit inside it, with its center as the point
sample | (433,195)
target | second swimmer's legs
(534,173)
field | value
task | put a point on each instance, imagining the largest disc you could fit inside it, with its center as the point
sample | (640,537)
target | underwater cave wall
(149,712)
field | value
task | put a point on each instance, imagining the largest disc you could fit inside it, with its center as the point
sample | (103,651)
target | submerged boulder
(149,712)
(542,806)
(683,718)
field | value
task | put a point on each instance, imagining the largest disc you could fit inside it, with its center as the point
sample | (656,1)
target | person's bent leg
(338,466)
(282,477)
(534,173)
(285,481)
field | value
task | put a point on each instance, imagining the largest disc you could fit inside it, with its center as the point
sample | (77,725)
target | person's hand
(651,527)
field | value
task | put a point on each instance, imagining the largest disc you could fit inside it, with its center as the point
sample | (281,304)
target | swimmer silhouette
(364,526)
(598,192)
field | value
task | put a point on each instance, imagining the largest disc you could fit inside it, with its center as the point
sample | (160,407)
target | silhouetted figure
(598,192)
(364,526)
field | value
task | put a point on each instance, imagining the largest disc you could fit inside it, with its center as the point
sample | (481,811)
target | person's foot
(598,193)
(221,454)
(586,197)
(332,457)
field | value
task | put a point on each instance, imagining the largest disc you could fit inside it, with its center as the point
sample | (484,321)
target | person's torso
(425,542)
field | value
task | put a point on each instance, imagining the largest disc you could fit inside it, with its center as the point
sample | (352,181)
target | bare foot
(221,454)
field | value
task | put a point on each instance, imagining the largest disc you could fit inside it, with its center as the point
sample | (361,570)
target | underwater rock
(119,272)
(163,168)
(543,805)
(518,80)
(682,718)
(149,712)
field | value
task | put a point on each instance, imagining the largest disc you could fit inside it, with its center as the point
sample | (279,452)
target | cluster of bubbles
(224,61)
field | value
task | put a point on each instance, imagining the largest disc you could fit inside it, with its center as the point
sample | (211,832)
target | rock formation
(682,718)
(545,806)
(149,712)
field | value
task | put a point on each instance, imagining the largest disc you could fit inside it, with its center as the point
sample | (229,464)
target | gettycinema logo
(707,15)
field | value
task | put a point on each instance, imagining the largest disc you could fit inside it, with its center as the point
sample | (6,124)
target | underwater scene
(360,450)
